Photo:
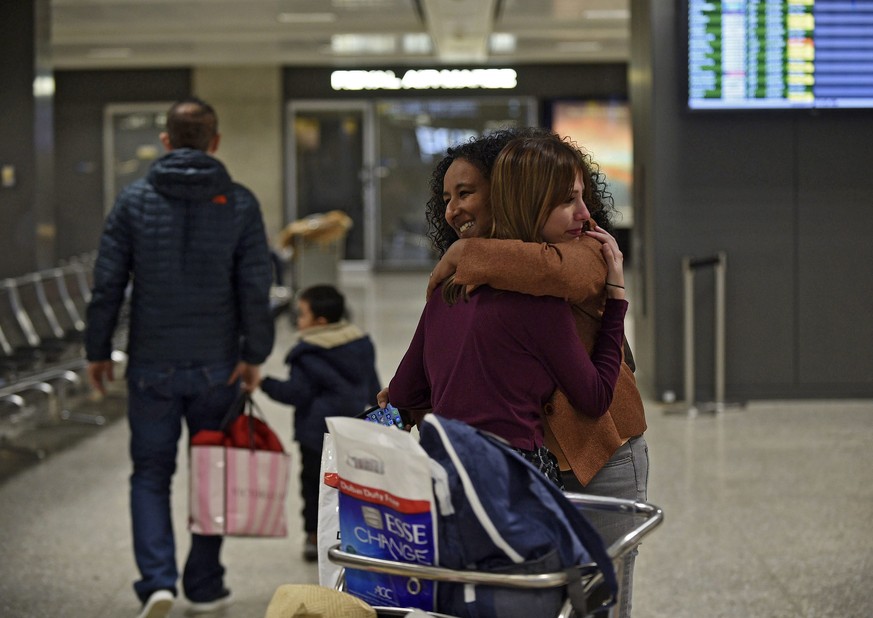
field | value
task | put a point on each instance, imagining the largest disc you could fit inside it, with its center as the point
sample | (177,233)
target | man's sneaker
(207,607)
(158,605)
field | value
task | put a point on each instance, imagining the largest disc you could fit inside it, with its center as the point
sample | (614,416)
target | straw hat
(322,228)
(310,601)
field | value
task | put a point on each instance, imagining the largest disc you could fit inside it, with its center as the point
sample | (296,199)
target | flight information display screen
(780,54)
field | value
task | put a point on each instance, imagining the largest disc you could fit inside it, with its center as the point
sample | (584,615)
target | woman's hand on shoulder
(614,262)
(447,265)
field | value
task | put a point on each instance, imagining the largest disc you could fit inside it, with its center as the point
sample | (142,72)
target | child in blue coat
(332,372)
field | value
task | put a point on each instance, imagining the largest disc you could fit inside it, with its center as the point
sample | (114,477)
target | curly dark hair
(482,152)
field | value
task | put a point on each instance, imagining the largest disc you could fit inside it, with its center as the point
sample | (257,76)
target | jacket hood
(188,174)
(331,335)
(341,345)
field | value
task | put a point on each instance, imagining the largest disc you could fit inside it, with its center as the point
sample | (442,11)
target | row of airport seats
(43,381)
(42,356)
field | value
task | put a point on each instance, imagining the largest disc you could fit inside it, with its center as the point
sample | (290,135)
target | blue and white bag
(504,516)
(385,509)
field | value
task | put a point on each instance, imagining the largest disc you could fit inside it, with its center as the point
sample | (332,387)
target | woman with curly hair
(480,153)
(602,456)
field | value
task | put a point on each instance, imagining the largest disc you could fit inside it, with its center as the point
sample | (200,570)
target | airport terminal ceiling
(114,34)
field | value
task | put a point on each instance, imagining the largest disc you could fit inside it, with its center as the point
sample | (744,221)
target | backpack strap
(471,494)
(576,592)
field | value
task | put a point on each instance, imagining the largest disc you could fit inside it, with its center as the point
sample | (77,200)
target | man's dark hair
(325,301)
(191,123)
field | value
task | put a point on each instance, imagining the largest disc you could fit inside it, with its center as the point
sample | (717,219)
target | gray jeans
(625,475)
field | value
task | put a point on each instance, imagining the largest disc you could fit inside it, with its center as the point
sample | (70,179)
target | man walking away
(192,242)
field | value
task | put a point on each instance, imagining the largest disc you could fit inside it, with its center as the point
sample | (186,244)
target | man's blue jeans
(159,397)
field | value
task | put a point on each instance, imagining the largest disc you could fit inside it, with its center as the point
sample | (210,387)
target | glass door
(329,167)
(373,160)
(131,142)
(413,137)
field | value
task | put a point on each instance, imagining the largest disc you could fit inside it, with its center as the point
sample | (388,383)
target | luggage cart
(650,517)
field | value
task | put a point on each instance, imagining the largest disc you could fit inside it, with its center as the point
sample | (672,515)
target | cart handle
(440,574)
(653,514)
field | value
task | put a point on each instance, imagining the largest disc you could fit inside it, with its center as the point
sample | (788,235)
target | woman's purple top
(494,361)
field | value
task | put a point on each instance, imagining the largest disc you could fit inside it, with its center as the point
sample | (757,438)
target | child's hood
(341,346)
(331,335)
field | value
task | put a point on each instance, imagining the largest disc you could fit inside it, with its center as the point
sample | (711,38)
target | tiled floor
(768,509)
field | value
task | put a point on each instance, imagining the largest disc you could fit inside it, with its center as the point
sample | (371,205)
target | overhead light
(363,44)
(362,4)
(307,18)
(578,46)
(502,43)
(110,52)
(607,14)
(417,43)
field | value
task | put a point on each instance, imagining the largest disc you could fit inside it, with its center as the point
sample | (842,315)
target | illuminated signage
(424,79)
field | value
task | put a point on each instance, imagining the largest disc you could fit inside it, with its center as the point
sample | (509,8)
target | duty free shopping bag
(328,514)
(238,477)
(386,509)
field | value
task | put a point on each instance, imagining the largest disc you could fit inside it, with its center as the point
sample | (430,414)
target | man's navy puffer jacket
(193,243)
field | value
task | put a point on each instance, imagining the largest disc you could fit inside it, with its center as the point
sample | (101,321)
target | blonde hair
(529,179)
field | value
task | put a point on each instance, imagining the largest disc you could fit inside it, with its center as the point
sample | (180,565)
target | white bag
(328,514)
(386,509)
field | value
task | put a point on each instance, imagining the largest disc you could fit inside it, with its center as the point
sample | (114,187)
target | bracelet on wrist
(614,285)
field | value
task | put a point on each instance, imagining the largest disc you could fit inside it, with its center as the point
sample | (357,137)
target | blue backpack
(499,513)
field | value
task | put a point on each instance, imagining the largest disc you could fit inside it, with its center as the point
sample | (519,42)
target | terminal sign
(424,79)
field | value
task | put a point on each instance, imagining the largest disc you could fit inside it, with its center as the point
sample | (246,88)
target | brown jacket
(575,271)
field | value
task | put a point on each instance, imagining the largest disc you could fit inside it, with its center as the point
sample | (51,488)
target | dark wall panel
(835,252)
(81,97)
(16,139)
(728,199)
